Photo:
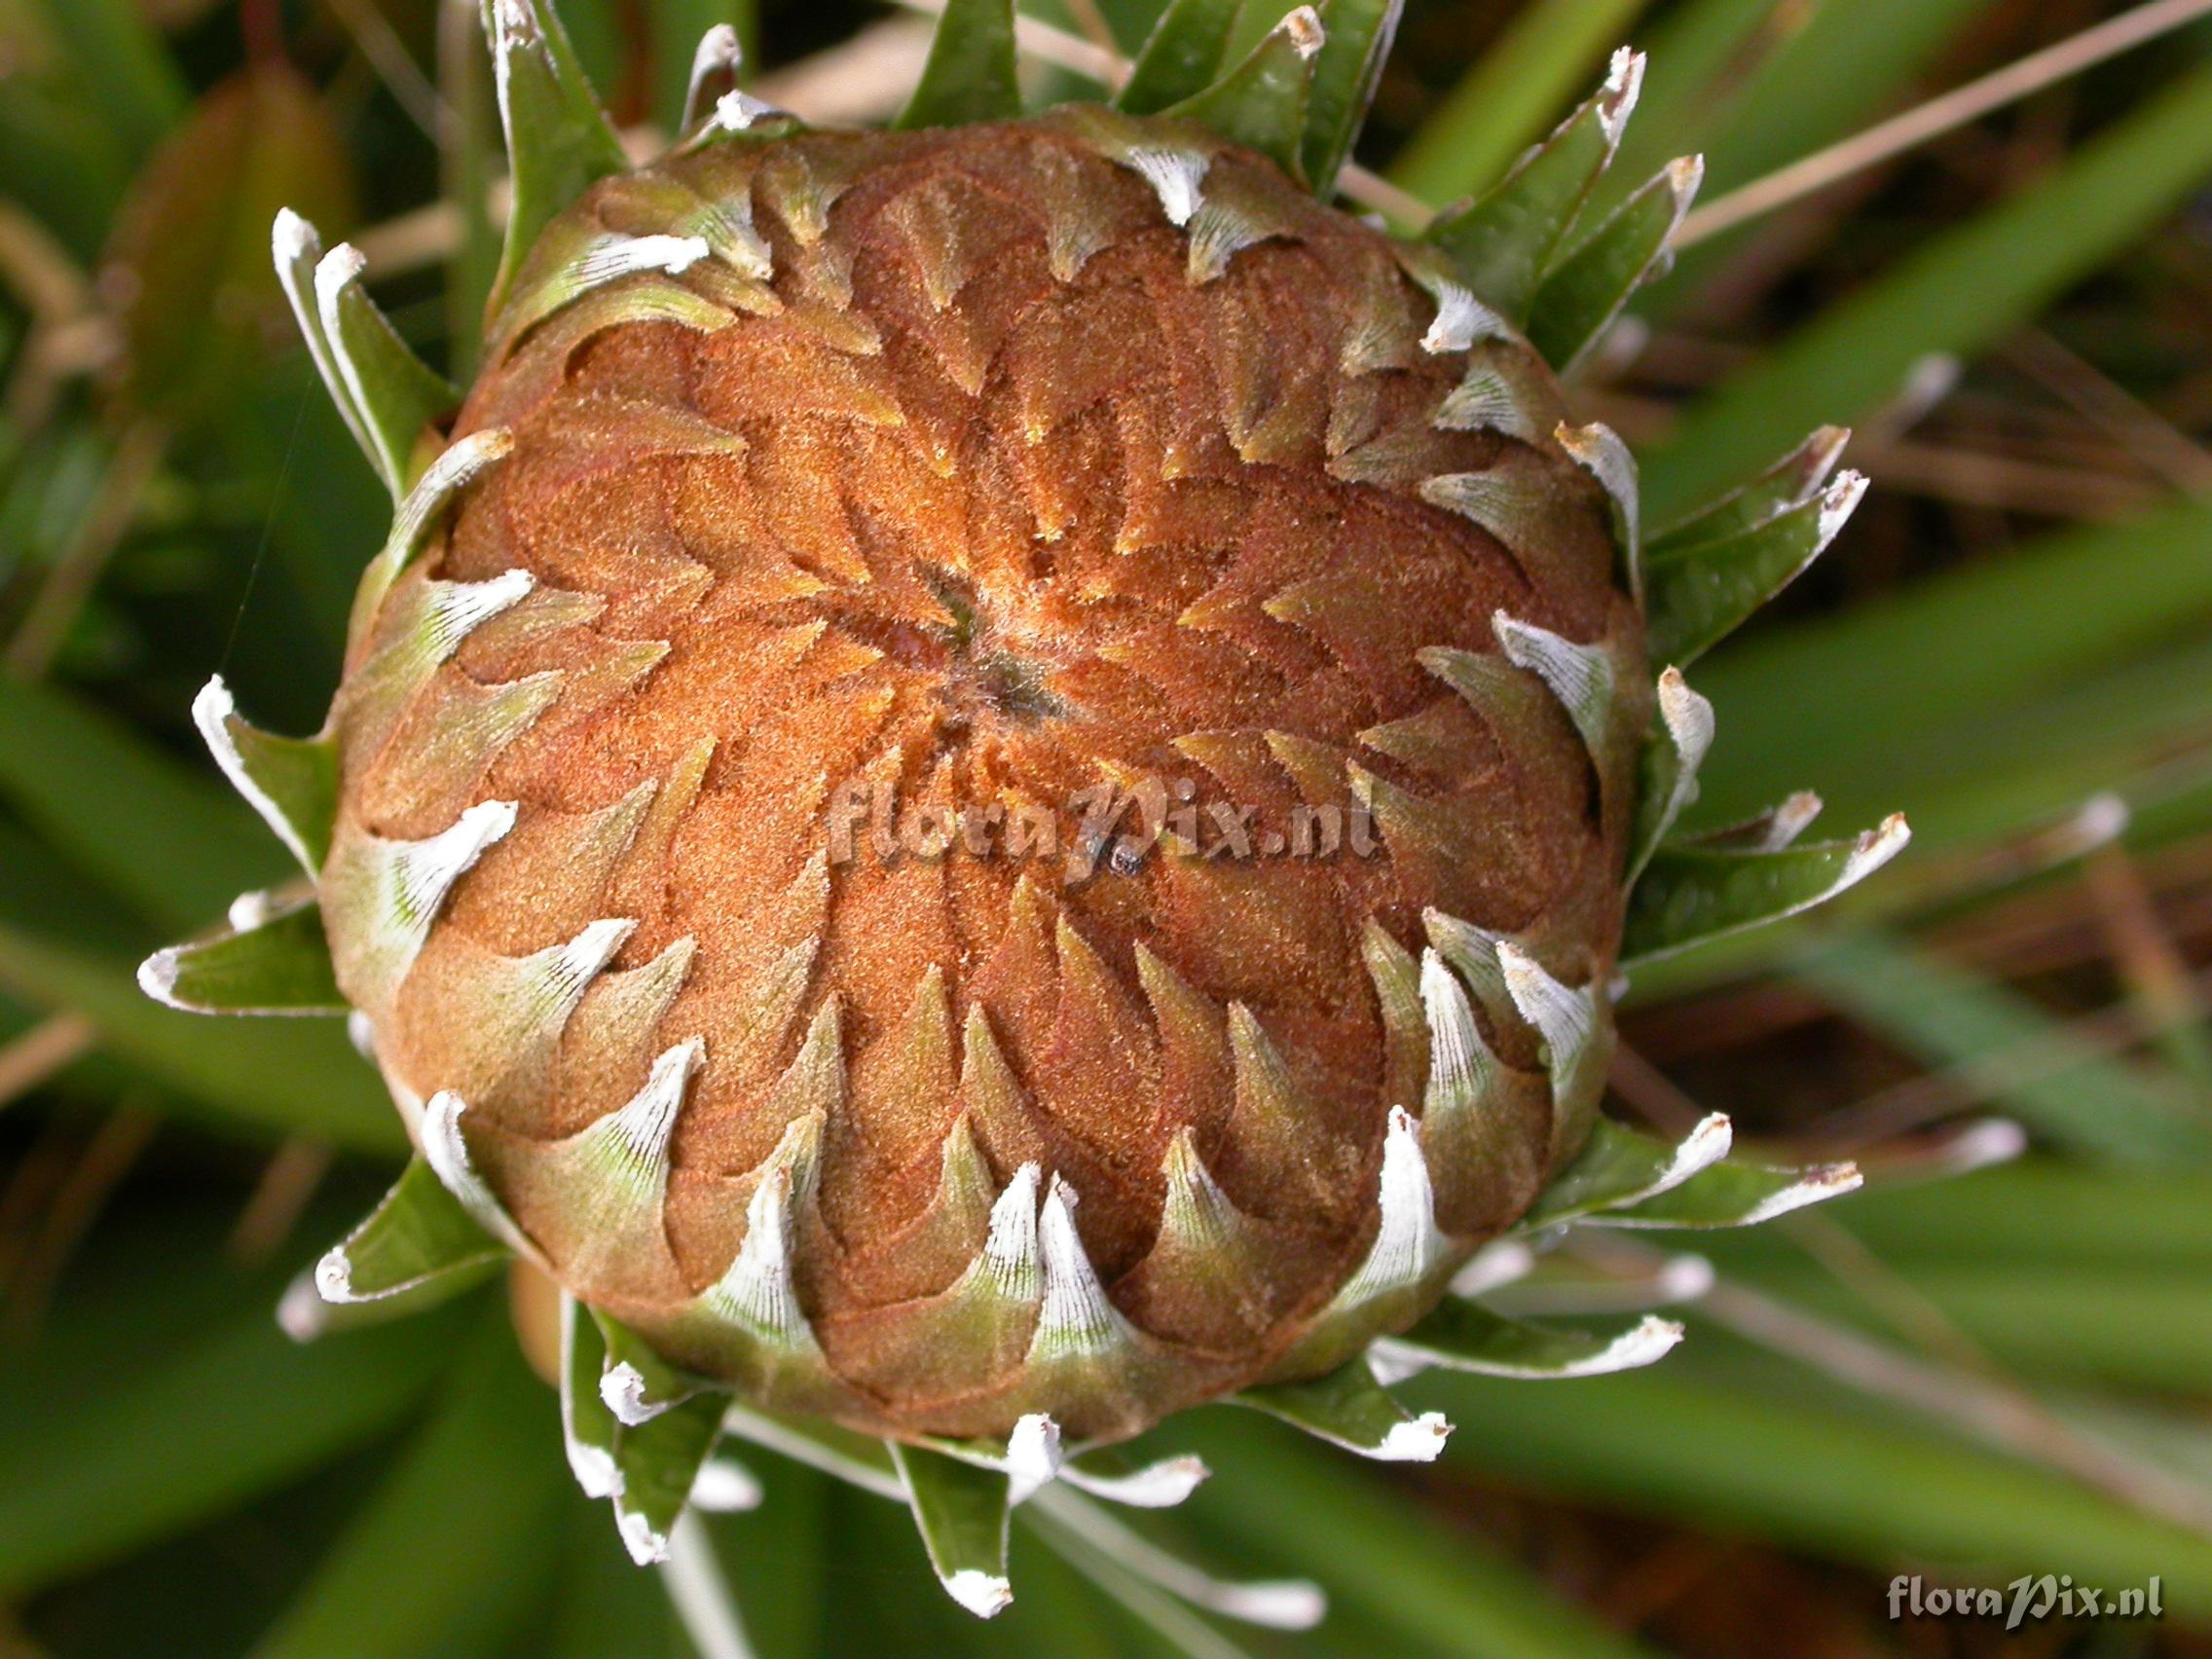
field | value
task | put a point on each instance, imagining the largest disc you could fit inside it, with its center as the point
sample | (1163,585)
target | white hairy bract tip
(986,1595)
(1839,502)
(292,238)
(1303,26)
(1624,84)
(1033,1453)
(156,977)
(646,1547)
(1706,1145)
(596,1474)
(622,1390)
(1420,1441)
(1651,1339)
(334,1275)
(1828,1181)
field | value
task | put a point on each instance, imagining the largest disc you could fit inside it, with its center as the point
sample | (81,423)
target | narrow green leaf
(1356,42)
(1397,1582)
(1502,104)
(415,1248)
(1731,1194)
(169,842)
(588,1429)
(1691,893)
(1585,290)
(2020,1058)
(1348,1408)
(292,781)
(396,395)
(1697,592)
(1684,1442)
(659,1461)
(273,1076)
(458,1547)
(277,965)
(1262,102)
(1463,1336)
(961,1512)
(969,75)
(1960,291)
(1790,482)
(1667,769)
(174,1435)
(1503,242)
(1181,55)
(1619,1167)
(558,138)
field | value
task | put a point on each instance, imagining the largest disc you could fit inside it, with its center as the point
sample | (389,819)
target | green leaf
(1262,102)
(1790,482)
(100,1465)
(418,1248)
(167,842)
(659,1461)
(1180,56)
(588,1429)
(1356,38)
(1398,1581)
(189,243)
(961,1513)
(1683,1442)
(2010,1050)
(396,396)
(1348,1408)
(969,75)
(1619,1167)
(558,139)
(1960,291)
(1692,892)
(124,69)
(275,1077)
(1581,295)
(1734,1195)
(1502,104)
(1503,242)
(1463,1336)
(458,1547)
(277,965)
(292,781)
(1697,592)
(1667,769)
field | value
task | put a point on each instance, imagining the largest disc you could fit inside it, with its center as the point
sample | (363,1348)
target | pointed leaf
(1465,1336)
(1357,41)
(558,139)
(588,1429)
(1619,1167)
(1180,56)
(1503,242)
(969,75)
(1790,482)
(280,966)
(1673,750)
(1697,592)
(1262,102)
(396,396)
(659,1461)
(1348,1408)
(1690,894)
(292,781)
(961,1511)
(1582,294)
(1736,1194)
(415,1248)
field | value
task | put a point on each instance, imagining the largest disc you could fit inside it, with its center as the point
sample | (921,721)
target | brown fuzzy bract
(993,493)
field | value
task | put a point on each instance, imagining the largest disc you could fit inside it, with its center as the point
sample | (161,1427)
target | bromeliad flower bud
(988,786)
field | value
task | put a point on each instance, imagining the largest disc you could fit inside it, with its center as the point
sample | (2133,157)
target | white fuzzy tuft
(1303,26)
(647,1548)
(1420,1441)
(622,1390)
(334,1275)
(156,977)
(986,1595)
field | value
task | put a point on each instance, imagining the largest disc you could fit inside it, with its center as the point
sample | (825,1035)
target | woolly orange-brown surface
(942,517)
